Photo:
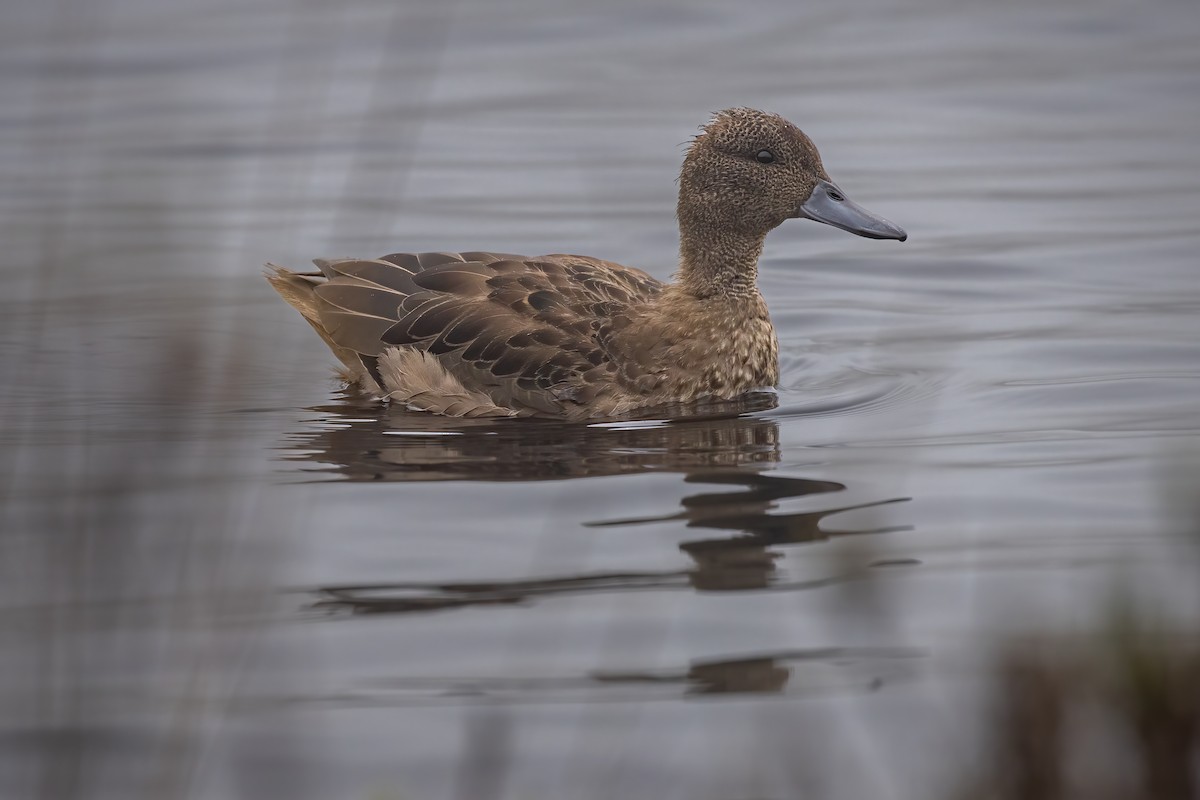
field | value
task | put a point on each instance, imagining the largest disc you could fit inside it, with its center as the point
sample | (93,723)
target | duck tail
(298,291)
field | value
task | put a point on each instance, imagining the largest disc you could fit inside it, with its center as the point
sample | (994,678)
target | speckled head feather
(724,185)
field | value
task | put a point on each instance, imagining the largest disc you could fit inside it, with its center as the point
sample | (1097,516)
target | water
(224,578)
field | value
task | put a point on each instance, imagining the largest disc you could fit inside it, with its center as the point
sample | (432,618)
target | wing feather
(369,300)
(376,272)
(529,332)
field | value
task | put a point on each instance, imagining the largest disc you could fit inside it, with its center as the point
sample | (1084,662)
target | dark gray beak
(829,205)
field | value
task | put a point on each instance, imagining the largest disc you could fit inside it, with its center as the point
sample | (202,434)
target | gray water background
(221,577)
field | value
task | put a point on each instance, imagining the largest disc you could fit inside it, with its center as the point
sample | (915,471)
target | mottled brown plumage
(491,334)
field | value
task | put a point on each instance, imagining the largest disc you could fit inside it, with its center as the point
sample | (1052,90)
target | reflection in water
(385,444)
(737,563)
(744,562)
(720,449)
(767,673)
(816,669)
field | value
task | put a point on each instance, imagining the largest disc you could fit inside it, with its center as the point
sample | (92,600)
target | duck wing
(529,332)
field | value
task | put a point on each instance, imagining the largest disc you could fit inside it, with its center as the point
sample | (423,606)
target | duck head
(749,171)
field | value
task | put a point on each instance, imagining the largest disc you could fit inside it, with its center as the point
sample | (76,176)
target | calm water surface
(222,577)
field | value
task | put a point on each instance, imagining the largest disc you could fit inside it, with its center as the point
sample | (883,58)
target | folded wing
(529,332)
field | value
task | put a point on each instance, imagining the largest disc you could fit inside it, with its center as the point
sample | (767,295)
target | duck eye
(765,156)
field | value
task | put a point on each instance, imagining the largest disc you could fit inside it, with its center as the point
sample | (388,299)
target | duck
(480,334)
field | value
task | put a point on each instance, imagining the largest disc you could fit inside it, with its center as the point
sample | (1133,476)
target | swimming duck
(571,337)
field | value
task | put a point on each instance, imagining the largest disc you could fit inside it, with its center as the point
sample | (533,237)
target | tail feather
(297,289)
(404,374)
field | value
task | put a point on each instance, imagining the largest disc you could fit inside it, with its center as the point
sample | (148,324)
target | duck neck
(719,263)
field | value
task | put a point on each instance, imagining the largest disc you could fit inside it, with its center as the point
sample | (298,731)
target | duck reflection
(769,673)
(738,563)
(374,443)
(724,453)
(745,562)
(776,672)
(719,448)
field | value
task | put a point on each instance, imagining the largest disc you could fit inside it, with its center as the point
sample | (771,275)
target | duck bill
(828,204)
